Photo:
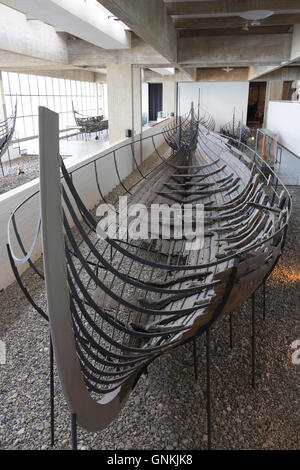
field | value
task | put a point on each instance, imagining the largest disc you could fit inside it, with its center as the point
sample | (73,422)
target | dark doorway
(256,104)
(155,100)
(288,90)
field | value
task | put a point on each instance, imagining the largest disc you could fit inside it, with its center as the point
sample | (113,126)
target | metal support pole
(253,339)
(51,393)
(195,359)
(264,300)
(73,431)
(230,331)
(208,397)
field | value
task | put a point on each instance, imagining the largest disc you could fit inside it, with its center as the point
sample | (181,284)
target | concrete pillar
(137,99)
(124,89)
(169,97)
(273,93)
(3,113)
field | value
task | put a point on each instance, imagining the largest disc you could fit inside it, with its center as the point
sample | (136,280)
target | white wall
(218,98)
(145,99)
(84,180)
(283,118)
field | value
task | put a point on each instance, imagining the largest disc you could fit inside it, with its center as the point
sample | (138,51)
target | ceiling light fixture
(254,15)
(113,18)
(255,23)
(227,69)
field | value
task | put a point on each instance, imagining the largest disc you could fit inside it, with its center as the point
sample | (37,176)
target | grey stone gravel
(29,165)
(167,408)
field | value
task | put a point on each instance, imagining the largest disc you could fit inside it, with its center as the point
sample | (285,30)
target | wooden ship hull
(116,305)
(236,131)
(90,124)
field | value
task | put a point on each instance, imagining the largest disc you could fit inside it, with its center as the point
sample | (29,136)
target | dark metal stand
(253,338)
(73,431)
(264,300)
(230,331)
(51,392)
(208,397)
(195,359)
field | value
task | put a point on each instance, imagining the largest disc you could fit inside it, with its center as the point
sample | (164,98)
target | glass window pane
(73,87)
(33,85)
(68,87)
(43,101)
(62,86)
(26,101)
(63,104)
(57,104)
(49,87)
(5,83)
(29,130)
(10,103)
(51,103)
(14,83)
(42,85)
(36,125)
(55,87)
(35,103)
(24,84)
(78,88)
(20,127)
(69,104)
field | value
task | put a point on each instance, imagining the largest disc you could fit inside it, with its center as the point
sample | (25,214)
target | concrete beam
(149,20)
(10,62)
(239,74)
(229,6)
(152,77)
(84,54)
(31,38)
(295,49)
(226,50)
(293,56)
(289,74)
(254,30)
(88,21)
(256,72)
(233,21)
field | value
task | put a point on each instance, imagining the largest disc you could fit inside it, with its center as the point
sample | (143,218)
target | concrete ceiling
(202,40)
(221,17)
(88,21)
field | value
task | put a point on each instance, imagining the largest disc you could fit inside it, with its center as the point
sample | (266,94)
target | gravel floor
(29,165)
(167,408)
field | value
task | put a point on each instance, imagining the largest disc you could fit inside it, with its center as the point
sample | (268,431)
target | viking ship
(7,129)
(236,130)
(89,124)
(115,305)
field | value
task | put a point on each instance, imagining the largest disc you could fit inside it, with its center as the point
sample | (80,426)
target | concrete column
(169,97)
(124,89)
(273,93)
(3,113)
(137,99)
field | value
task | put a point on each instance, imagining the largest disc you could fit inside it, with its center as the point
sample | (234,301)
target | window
(32,91)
